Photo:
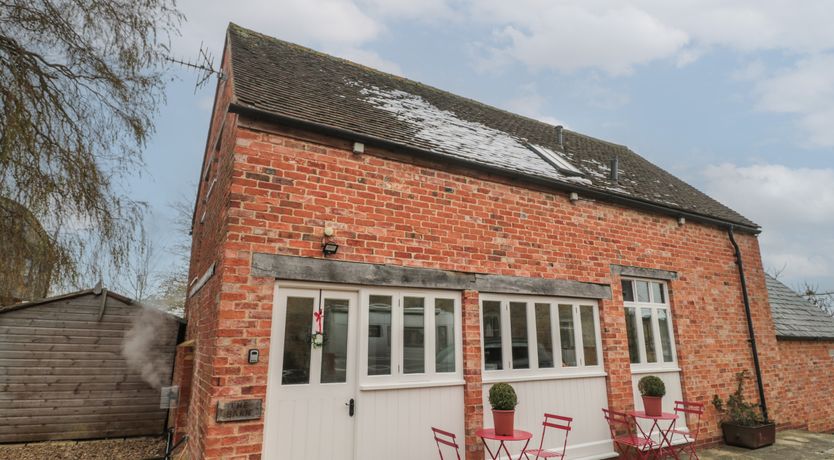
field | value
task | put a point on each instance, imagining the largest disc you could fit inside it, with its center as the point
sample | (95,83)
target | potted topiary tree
(503,400)
(742,423)
(652,390)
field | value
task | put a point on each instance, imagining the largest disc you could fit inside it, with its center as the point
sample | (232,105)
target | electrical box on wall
(253,356)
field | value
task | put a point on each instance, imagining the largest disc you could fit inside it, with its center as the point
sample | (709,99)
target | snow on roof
(470,140)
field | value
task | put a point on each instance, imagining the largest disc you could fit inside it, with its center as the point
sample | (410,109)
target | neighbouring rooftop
(276,78)
(794,316)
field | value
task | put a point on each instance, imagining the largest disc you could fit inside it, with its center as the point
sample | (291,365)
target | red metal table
(665,441)
(518,435)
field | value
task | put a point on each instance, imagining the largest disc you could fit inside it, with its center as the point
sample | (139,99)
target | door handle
(351,406)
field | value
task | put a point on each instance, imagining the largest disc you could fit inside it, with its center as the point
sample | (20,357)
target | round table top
(662,416)
(489,433)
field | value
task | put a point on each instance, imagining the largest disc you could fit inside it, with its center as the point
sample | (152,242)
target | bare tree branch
(82,80)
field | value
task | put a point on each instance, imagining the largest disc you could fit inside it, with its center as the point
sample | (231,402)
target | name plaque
(235,411)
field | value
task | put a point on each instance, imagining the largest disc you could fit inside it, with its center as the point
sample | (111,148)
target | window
(556,160)
(518,326)
(648,323)
(296,341)
(492,335)
(411,337)
(544,335)
(379,334)
(533,335)
(335,348)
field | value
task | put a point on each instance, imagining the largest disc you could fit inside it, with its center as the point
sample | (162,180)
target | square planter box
(751,437)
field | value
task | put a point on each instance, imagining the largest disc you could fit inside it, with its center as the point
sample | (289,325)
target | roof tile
(288,80)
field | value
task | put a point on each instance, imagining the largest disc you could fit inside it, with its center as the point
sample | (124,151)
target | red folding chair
(551,421)
(690,411)
(445,438)
(625,438)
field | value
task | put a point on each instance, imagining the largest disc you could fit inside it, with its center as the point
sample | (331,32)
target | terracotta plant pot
(653,405)
(504,422)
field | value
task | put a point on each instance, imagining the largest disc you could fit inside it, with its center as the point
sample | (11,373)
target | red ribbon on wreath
(318,317)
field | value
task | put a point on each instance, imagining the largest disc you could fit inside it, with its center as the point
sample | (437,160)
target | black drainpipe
(749,323)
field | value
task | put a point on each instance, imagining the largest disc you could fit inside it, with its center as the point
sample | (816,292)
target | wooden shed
(65,373)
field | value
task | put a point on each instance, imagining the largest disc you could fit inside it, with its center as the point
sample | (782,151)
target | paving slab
(790,445)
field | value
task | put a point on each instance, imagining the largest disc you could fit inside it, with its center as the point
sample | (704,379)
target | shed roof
(287,81)
(71,295)
(795,317)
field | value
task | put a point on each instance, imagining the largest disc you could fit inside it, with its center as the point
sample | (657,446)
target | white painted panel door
(311,387)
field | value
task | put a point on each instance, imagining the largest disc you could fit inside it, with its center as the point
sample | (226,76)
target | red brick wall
(806,373)
(284,189)
(183,373)
(473,391)
(214,325)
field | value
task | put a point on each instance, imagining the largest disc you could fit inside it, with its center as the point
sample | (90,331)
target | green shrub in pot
(742,422)
(503,400)
(652,389)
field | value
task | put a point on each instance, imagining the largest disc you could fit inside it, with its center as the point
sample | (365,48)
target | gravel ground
(106,449)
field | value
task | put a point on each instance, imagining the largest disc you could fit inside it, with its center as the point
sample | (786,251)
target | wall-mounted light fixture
(328,246)
(574,197)
(681,220)
(358,148)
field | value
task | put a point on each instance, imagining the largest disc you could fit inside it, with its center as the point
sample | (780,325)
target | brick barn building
(340,206)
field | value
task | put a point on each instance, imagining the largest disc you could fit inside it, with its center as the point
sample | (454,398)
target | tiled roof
(794,316)
(290,81)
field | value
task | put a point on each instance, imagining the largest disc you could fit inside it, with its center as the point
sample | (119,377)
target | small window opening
(556,160)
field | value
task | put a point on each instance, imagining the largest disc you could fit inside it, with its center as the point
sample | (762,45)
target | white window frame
(654,306)
(507,372)
(398,377)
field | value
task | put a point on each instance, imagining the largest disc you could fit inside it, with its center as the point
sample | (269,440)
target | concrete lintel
(338,271)
(641,272)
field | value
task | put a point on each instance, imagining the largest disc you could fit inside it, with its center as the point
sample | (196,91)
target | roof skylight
(556,160)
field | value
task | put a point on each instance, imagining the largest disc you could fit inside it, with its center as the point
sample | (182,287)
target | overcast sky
(736,98)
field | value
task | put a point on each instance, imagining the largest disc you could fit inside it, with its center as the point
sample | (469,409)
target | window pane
(631,330)
(628,290)
(379,335)
(492,335)
(544,335)
(566,334)
(518,329)
(589,335)
(665,335)
(414,330)
(297,331)
(657,293)
(648,334)
(334,351)
(444,334)
(642,291)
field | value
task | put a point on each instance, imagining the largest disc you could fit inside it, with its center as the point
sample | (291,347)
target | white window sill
(487,378)
(408,385)
(654,369)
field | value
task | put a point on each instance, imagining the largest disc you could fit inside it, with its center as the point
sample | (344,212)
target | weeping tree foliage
(80,82)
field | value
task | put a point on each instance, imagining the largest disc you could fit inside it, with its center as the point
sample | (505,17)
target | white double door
(311,391)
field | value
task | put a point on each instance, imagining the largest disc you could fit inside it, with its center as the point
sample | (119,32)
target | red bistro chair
(445,438)
(551,421)
(626,440)
(694,411)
